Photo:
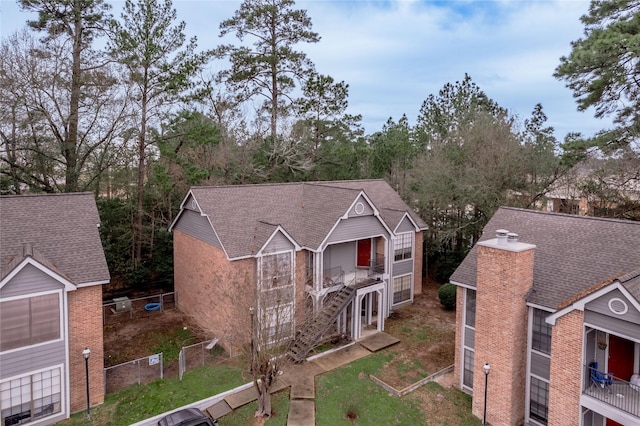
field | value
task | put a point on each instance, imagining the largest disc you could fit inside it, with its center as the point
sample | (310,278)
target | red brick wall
(417,264)
(504,277)
(300,283)
(566,370)
(85,331)
(215,292)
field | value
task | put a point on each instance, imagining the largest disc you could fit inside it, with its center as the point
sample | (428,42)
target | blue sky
(394,54)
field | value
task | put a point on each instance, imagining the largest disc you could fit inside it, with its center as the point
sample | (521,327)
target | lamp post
(486,367)
(252,313)
(86,352)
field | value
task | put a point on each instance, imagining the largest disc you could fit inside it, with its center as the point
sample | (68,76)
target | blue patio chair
(599,379)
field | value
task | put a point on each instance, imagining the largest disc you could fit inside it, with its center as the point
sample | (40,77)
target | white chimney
(501,236)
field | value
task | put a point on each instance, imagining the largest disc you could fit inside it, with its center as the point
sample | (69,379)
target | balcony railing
(376,266)
(618,393)
(332,276)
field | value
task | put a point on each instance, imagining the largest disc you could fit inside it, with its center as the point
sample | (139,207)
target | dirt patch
(127,339)
(427,339)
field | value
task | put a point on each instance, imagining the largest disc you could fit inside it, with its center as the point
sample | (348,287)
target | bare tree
(34,106)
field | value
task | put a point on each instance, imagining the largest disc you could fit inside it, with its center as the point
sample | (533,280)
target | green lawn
(139,402)
(347,396)
(343,396)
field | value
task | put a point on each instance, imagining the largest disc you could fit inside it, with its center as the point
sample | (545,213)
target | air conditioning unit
(123,304)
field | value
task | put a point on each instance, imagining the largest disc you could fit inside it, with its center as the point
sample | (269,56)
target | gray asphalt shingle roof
(62,229)
(573,253)
(306,211)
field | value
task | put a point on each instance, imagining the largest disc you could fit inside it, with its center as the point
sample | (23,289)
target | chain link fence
(150,368)
(196,355)
(138,371)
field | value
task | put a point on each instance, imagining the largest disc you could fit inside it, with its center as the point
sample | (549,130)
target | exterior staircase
(311,333)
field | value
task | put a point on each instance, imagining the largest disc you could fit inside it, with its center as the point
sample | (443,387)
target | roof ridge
(301,183)
(596,218)
(47,194)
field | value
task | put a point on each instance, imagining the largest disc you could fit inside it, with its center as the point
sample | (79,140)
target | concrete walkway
(301,379)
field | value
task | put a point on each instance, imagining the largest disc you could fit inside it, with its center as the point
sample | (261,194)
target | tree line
(131,110)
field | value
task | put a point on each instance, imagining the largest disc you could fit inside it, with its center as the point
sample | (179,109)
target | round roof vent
(618,306)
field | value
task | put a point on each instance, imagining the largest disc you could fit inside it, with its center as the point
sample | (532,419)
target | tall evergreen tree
(161,67)
(602,68)
(270,68)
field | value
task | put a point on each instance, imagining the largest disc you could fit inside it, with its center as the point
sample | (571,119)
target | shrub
(447,295)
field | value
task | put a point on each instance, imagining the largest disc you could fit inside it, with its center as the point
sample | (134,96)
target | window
(29,321)
(470,308)
(402,289)
(31,397)
(276,297)
(276,270)
(279,323)
(539,400)
(402,246)
(541,333)
(467,374)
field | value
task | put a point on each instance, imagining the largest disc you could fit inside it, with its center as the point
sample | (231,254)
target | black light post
(86,354)
(252,313)
(486,369)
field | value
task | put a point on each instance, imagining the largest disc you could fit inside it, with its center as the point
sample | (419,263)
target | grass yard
(348,397)
(139,402)
(343,396)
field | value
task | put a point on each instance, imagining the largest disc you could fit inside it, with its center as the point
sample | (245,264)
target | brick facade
(85,331)
(215,292)
(504,278)
(218,293)
(566,369)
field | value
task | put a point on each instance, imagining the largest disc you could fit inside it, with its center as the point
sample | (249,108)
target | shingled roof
(573,253)
(241,215)
(59,231)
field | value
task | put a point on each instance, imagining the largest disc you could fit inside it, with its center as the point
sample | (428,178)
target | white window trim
(64,383)
(261,309)
(400,237)
(410,299)
(61,322)
(529,374)
(462,345)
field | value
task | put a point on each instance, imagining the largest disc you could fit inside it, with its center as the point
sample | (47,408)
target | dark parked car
(187,417)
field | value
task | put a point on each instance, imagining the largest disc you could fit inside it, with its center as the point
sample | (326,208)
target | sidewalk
(301,378)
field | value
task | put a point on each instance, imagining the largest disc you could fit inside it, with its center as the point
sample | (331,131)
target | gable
(190,203)
(198,226)
(360,207)
(278,243)
(615,304)
(405,226)
(29,280)
(356,228)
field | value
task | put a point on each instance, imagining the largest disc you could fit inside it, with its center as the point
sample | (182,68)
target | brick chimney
(504,276)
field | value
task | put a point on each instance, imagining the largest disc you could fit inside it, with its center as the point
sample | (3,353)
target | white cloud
(393,54)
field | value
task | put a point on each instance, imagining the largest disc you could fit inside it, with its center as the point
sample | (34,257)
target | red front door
(621,357)
(620,362)
(364,253)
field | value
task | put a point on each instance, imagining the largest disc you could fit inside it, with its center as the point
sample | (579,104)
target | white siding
(357,228)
